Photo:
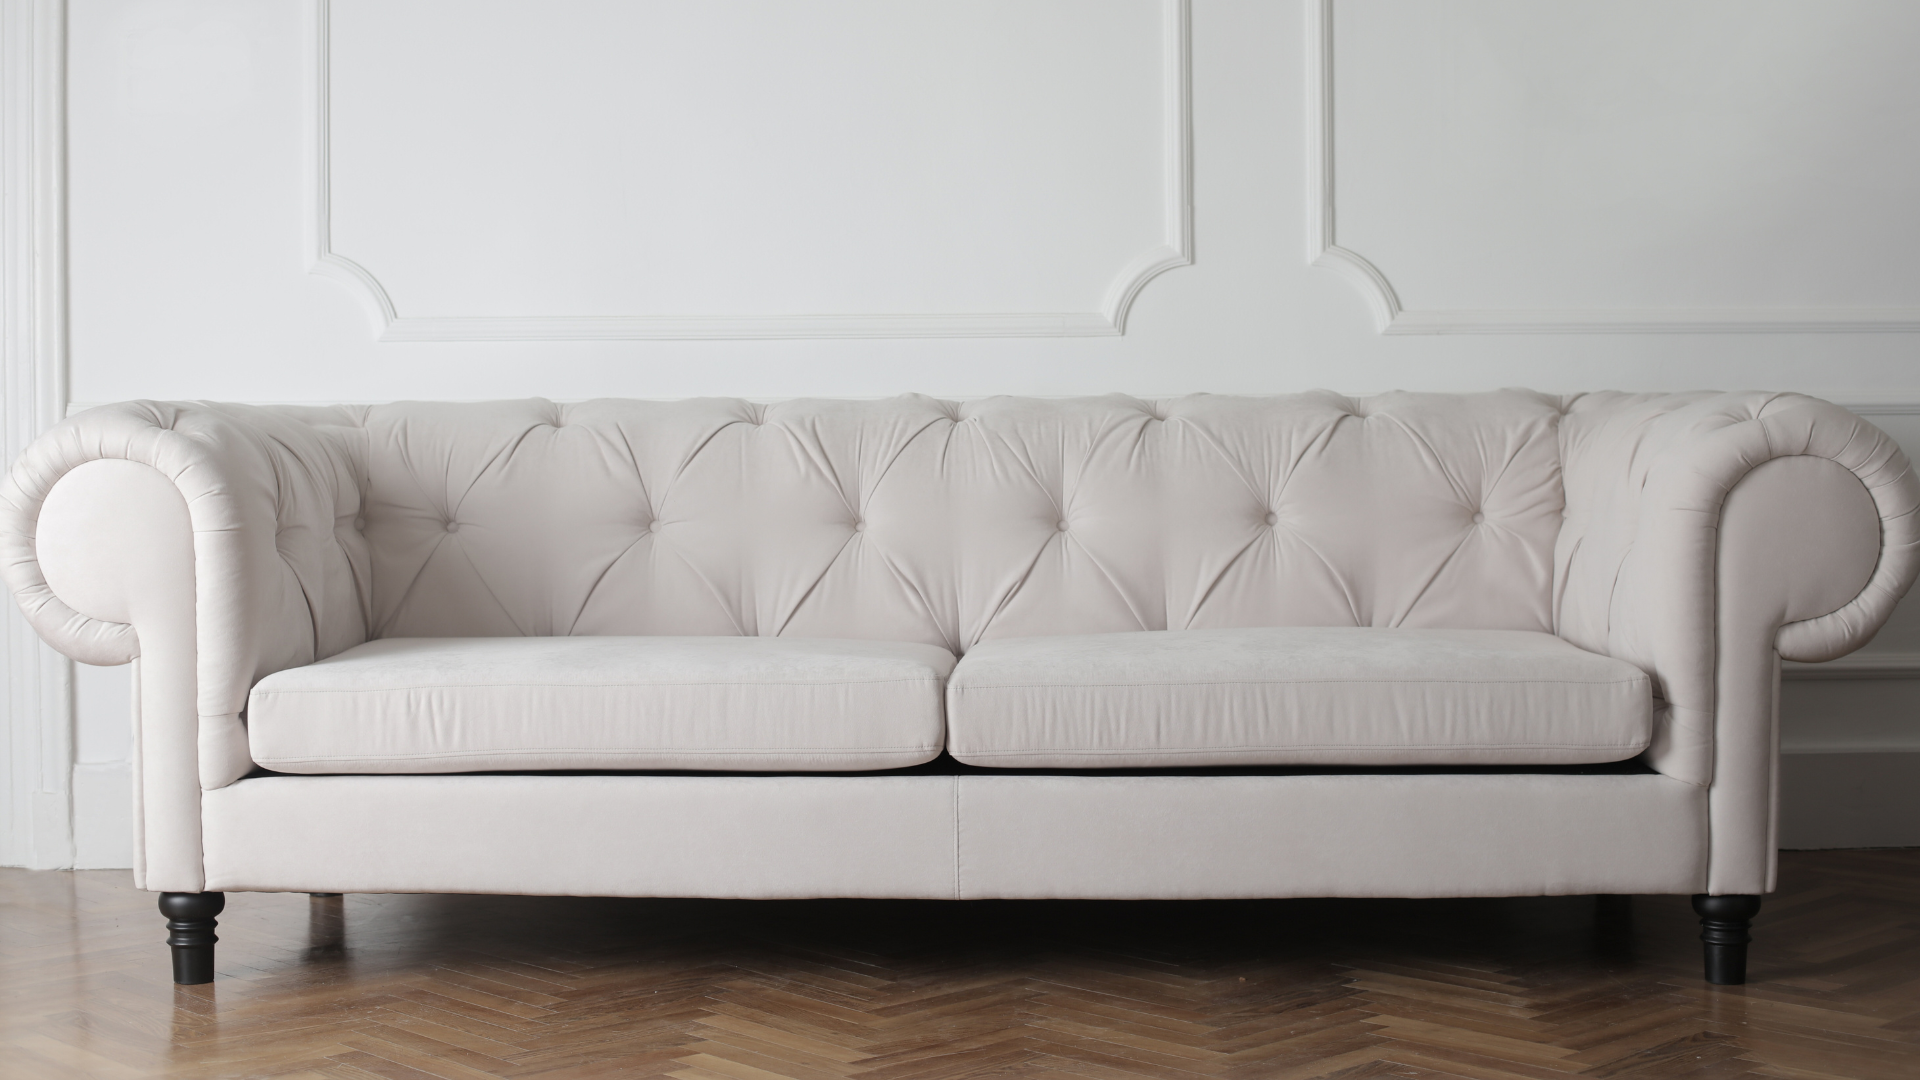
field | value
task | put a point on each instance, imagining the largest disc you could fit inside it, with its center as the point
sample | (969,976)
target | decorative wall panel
(747,168)
(1508,166)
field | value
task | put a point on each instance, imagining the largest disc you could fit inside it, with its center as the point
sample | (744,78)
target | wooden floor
(469,986)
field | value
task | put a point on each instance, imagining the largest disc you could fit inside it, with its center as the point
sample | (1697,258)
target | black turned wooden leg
(190,918)
(1724,922)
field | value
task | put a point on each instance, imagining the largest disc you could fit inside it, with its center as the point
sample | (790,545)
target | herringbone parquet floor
(474,986)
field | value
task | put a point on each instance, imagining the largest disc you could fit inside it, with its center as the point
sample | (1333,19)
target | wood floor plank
(774,1036)
(567,988)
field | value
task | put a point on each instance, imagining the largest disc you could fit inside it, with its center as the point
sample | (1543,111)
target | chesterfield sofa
(1412,645)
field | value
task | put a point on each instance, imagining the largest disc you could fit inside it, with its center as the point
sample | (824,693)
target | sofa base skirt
(972,836)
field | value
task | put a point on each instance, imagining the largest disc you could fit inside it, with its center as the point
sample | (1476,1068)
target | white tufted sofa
(1407,645)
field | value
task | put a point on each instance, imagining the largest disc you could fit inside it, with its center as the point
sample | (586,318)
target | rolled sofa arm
(214,544)
(1709,535)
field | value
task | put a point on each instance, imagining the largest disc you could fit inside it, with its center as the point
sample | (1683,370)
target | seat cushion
(436,705)
(1294,696)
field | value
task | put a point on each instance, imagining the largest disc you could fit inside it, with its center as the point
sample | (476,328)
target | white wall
(671,198)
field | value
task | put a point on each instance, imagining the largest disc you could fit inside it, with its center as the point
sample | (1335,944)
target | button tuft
(1273,518)
(1479,518)
(1062,526)
(453,526)
(859,526)
(653,526)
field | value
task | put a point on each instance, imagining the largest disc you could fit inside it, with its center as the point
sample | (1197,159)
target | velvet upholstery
(438,705)
(221,544)
(1294,696)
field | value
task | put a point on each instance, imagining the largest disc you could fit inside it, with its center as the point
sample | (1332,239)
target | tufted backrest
(951,523)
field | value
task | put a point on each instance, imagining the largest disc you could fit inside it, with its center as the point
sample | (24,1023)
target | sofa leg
(190,917)
(1724,922)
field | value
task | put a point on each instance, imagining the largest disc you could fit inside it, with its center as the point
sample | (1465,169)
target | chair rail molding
(1866,665)
(1390,317)
(36,805)
(1175,249)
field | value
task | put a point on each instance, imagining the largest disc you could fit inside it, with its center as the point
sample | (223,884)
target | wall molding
(1874,748)
(1878,403)
(1390,317)
(1902,403)
(36,779)
(1868,666)
(1175,250)
(1860,665)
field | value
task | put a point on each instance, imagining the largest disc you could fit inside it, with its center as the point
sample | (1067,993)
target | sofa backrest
(951,523)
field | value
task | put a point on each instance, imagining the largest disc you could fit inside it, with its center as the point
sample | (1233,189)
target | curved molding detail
(1175,250)
(1374,287)
(1324,250)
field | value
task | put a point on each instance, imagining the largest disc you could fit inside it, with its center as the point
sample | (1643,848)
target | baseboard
(102,816)
(1850,755)
(1850,800)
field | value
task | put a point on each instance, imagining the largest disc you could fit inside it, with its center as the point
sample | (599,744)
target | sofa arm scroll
(215,544)
(1638,572)
(1709,535)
